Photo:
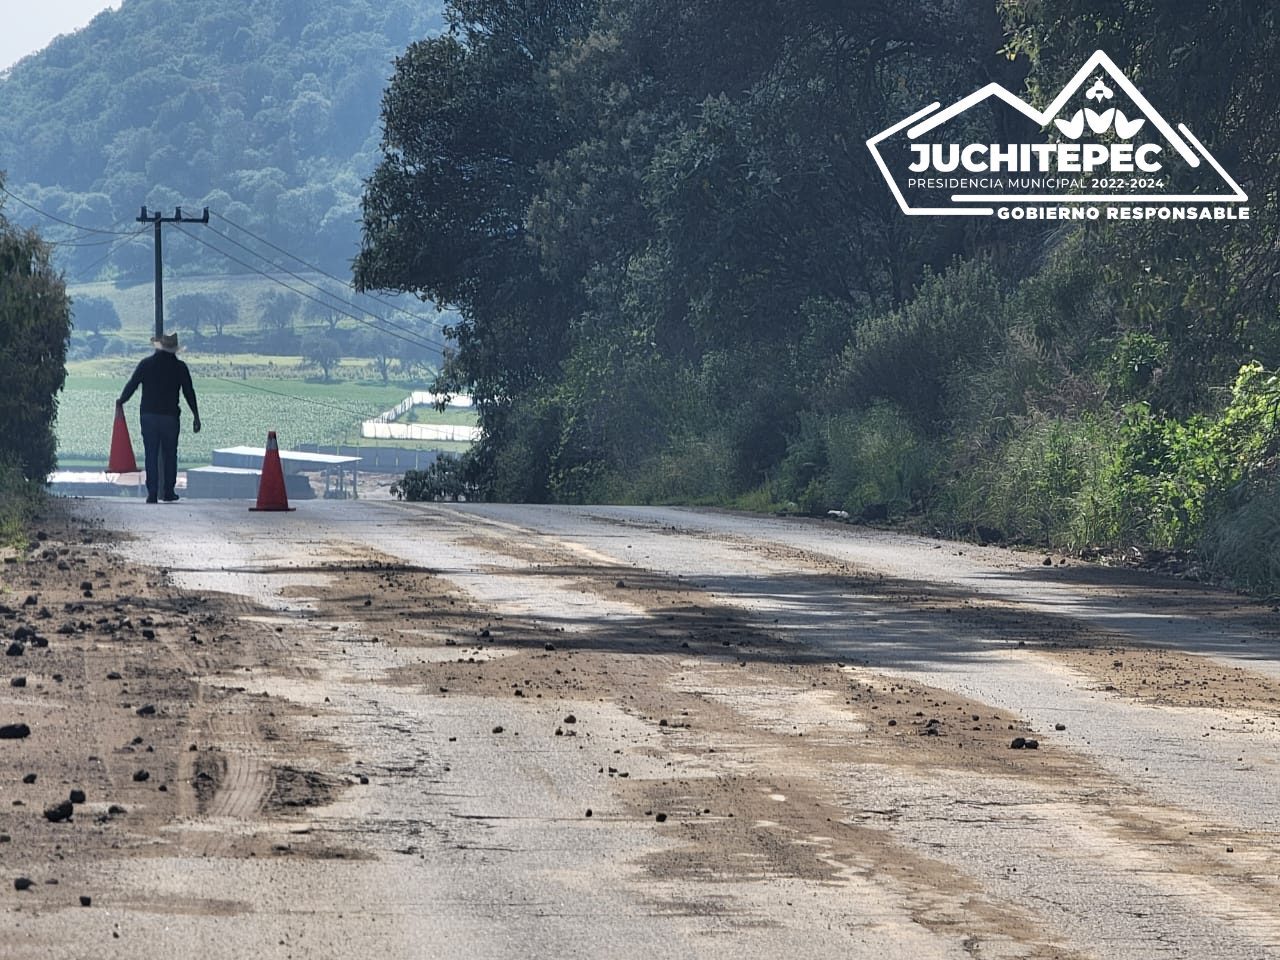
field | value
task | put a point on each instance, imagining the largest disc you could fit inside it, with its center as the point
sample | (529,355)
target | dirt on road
(381,759)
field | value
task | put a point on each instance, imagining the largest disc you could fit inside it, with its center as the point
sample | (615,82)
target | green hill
(266,111)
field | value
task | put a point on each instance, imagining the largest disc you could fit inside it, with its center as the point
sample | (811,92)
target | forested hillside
(264,110)
(680,276)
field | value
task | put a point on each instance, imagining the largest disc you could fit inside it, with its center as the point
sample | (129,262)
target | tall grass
(1042,485)
(19,500)
(1243,544)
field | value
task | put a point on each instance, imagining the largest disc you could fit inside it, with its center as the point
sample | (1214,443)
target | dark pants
(160,446)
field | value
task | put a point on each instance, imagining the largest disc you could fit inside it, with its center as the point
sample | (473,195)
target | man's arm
(189,391)
(132,385)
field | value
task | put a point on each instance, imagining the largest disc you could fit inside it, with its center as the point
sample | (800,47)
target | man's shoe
(170,498)
(151,499)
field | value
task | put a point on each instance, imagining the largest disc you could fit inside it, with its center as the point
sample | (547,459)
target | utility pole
(157,220)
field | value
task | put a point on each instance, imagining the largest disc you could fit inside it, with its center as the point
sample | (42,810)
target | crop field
(232,411)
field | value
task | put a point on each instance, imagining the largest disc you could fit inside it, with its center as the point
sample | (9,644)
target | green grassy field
(234,411)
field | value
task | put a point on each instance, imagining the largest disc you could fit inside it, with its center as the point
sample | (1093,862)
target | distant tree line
(396,346)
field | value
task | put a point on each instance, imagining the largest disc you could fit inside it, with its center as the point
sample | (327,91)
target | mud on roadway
(442,731)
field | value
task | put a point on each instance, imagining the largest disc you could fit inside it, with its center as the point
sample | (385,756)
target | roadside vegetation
(35,321)
(680,277)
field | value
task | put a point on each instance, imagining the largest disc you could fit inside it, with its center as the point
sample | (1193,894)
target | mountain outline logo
(1065,172)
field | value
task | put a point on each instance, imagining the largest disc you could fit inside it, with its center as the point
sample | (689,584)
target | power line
(45,213)
(121,242)
(312,266)
(330,293)
(302,293)
(414,337)
(422,342)
(81,243)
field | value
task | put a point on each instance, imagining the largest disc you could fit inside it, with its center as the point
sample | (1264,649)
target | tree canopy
(680,275)
(35,324)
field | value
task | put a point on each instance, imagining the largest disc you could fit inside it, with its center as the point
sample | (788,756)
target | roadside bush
(520,470)
(692,469)
(19,499)
(1041,485)
(444,480)
(874,460)
(1133,478)
(907,356)
(1173,476)
(1243,544)
(35,324)
(1161,474)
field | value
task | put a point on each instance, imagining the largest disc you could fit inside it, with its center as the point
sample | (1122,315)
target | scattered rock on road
(59,812)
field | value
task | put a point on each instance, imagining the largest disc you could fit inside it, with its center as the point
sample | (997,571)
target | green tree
(1205,296)
(204,313)
(95,316)
(627,196)
(381,349)
(468,122)
(321,351)
(35,324)
(320,313)
(277,313)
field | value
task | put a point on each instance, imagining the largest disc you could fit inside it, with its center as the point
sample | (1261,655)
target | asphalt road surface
(411,730)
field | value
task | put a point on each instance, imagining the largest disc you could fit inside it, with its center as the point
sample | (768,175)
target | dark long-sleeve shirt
(161,376)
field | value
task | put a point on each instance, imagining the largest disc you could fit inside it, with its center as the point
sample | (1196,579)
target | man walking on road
(161,376)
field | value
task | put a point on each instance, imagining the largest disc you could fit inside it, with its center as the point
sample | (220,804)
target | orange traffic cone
(121,459)
(271,495)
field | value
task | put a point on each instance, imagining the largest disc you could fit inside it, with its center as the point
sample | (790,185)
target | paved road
(1149,826)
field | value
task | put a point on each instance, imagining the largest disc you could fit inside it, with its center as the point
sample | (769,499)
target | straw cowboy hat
(167,342)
